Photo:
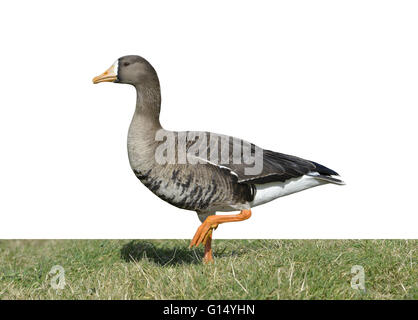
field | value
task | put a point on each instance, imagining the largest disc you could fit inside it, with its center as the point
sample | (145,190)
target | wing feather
(275,166)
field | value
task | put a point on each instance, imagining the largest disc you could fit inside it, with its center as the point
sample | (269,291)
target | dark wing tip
(324,170)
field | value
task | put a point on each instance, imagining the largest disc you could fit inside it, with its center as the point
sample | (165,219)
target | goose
(202,171)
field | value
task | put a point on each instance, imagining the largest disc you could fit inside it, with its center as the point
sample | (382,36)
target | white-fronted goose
(202,171)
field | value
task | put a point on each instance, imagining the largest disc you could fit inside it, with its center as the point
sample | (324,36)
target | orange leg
(204,232)
(208,257)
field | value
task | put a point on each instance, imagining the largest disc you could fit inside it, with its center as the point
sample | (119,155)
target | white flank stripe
(273,190)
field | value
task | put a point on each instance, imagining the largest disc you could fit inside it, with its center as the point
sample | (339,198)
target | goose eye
(125,64)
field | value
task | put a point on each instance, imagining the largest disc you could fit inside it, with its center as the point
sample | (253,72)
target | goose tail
(326,178)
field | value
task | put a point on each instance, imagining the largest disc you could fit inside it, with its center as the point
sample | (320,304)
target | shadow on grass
(137,250)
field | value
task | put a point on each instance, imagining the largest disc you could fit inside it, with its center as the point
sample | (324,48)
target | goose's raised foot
(205,230)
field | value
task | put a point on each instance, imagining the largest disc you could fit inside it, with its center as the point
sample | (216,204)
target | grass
(244,269)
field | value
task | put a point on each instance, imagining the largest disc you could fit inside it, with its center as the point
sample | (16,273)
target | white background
(332,81)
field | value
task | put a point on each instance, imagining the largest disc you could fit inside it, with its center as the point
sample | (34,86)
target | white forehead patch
(116,67)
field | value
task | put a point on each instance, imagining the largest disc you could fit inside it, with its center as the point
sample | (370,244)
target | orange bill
(108,76)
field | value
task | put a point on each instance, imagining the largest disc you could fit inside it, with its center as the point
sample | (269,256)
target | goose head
(133,70)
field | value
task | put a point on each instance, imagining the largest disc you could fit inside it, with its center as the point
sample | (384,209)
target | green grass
(244,269)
